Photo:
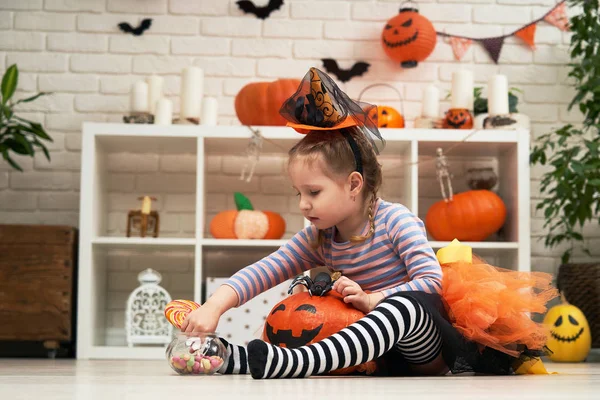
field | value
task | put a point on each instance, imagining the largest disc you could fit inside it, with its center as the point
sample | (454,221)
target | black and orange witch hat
(320,105)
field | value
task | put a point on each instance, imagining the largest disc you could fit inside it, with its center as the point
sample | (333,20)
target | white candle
(164,112)
(431,102)
(155,91)
(462,89)
(210,111)
(498,95)
(139,97)
(192,87)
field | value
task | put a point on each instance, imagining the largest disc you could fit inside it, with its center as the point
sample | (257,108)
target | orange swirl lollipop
(177,310)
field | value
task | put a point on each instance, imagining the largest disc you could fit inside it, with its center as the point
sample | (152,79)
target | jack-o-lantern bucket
(386,116)
(408,37)
(300,319)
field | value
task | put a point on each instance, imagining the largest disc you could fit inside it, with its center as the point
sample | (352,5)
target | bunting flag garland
(557,16)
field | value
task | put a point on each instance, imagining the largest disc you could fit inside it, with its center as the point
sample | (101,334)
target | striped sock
(236,359)
(396,321)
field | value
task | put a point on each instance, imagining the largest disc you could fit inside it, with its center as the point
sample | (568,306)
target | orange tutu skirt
(492,306)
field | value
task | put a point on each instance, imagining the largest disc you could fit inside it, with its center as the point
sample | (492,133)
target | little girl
(377,246)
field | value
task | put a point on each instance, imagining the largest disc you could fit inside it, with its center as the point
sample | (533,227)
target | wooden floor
(131,380)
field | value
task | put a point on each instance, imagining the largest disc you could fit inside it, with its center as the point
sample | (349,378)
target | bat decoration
(249,7)
(345,75)
(125,27)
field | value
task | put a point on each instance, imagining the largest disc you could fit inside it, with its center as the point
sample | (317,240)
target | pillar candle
(155,91)
(192,87)
(139,97)
(462,89)
(210,111)
(164,112)
(498,95)
(431,102)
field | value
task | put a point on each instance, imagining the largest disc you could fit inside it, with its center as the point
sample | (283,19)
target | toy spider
(321,285)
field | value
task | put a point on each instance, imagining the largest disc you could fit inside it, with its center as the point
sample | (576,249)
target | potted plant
(571,154)
(18,135)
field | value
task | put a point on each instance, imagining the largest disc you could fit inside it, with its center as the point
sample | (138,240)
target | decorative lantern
(386,116)
(145,322)
(408,37)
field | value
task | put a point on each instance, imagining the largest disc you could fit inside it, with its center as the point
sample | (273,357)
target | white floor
(131,380)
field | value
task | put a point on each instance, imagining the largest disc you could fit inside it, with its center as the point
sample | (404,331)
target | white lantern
(145,322)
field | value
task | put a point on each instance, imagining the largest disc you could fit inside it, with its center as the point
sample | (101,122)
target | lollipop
(177,310)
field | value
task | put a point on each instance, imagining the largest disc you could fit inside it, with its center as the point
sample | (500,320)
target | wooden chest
(37,277)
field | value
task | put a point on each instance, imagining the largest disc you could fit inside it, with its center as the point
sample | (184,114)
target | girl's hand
(203,319)
(353,293)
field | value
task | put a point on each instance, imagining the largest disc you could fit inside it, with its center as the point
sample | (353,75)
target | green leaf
(32,98)
(11,161)
(9,83)
(242,202)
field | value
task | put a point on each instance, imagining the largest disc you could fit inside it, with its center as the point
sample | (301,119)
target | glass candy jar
(195,353)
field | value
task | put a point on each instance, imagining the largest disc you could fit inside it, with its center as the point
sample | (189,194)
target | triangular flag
(558,17)
(528,35)
(493,46)
(460,46)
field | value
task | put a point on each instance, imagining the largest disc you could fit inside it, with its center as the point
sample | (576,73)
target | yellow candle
(146,205)
(454,252)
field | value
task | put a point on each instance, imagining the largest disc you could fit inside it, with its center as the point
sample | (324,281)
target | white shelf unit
(510,148)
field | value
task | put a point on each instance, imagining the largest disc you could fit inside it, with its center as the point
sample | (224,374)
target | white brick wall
(74,49)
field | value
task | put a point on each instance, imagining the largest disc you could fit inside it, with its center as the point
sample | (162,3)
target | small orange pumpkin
(246,223)
(387,117)
(300,319)
(470,216)
(258,103)
(458,118)
(408,38)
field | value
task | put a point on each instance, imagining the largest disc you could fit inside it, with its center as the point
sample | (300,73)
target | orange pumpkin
(387,117)
(408,38)
(458,118)
(470,216)
(247,223)
(258,103)
(300,319)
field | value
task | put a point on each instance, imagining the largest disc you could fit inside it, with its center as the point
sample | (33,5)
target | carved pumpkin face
(387,117)
(570,339)
(300,319)
(458,118)
(408,38)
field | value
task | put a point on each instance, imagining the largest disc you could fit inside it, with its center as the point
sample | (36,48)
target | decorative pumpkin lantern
(408,37)
(247,223)
(258,103)
(570,339)
(302,319)
(458,118)
(469,216)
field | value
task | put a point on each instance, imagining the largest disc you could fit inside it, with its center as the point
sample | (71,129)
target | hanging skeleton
(441,166)
(252,155)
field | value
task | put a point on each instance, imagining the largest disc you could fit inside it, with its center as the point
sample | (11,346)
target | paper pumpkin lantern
(300,319)
(570,339)
(408,38)
(470,216)
(387,117)
(247,223)
(258,103)
(458,118)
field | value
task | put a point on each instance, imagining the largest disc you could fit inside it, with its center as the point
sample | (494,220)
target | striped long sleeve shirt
(396,258)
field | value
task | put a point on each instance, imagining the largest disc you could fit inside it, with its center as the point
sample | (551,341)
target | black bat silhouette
(248,7)
(125,27)
(345,75)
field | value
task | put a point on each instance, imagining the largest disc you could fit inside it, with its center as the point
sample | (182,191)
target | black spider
(321,285)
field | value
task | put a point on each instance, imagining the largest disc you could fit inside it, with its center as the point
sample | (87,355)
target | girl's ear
(356,181)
